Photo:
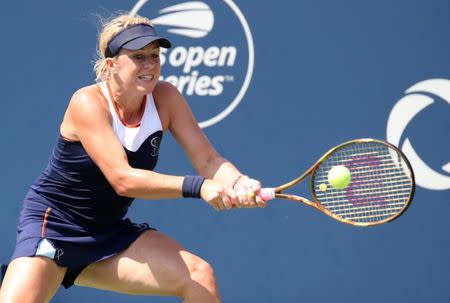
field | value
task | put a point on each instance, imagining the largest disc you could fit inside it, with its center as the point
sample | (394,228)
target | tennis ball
(323,187)
(339,177)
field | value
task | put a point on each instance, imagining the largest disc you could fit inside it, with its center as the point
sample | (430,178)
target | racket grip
(267,193)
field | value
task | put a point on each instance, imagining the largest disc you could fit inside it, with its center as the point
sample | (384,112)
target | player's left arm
(205,159)
(183,126)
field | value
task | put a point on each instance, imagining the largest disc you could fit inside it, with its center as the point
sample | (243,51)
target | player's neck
(127,100)
(128,106)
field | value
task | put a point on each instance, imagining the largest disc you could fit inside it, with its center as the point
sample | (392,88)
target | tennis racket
(381,183)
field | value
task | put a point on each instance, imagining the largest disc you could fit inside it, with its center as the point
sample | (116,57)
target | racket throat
(296,199)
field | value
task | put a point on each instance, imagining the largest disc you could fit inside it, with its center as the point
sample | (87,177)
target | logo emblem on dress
(154,142)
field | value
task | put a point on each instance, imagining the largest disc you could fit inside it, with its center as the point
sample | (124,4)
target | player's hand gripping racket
(362,182)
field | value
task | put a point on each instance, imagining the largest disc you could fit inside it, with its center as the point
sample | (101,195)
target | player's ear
(111,64)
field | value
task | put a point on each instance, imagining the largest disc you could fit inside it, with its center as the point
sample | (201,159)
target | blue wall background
(325,72)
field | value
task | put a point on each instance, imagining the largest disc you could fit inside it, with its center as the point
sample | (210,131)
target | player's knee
(203,273)
(202,278)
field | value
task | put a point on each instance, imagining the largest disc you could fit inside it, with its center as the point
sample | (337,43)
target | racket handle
(267,193)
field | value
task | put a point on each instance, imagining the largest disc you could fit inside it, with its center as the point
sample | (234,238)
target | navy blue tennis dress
(71,213)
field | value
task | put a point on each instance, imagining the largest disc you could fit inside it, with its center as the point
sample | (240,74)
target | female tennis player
(72,227)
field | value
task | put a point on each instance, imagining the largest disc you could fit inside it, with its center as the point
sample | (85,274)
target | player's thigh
(31,279)
(153,265)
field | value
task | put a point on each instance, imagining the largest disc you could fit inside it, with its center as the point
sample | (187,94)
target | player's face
(140,68)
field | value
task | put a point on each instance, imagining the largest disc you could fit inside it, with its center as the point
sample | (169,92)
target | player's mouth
(146,77)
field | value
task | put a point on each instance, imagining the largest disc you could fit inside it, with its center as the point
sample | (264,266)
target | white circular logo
(212,60)
(419,97)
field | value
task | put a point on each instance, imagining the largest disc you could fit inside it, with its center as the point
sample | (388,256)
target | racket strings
(388,194)
(380,187)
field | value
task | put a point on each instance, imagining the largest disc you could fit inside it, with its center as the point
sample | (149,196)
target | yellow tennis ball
(323,187)
(339,177)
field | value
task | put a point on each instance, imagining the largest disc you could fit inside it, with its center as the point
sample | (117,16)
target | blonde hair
(109,29)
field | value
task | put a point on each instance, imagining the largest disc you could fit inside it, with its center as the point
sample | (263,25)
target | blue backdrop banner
(274,84)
